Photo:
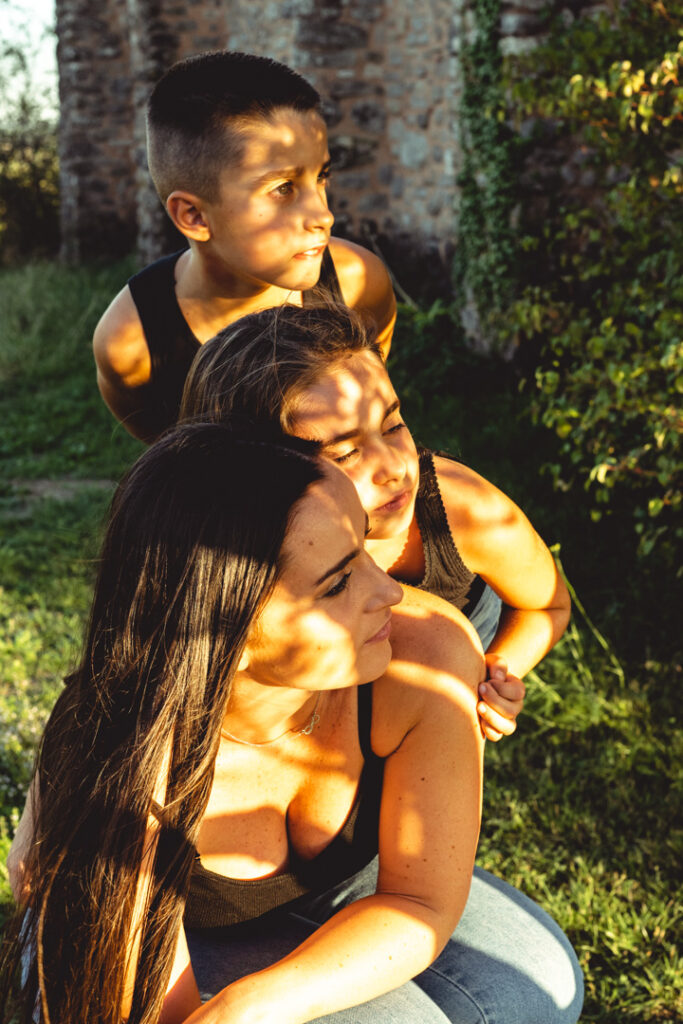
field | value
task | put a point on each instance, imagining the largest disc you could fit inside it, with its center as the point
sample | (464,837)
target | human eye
(395,428)
(285,189)
(324,175)
(345,458)
(339,586)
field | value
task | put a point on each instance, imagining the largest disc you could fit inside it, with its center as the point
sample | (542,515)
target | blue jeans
(485,615)
(506,963)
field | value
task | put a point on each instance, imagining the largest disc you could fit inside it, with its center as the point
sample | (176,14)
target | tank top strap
(445,572)
(166,330)
(365,721)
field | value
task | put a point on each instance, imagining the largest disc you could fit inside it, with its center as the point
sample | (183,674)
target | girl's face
(327,623)
(353,409)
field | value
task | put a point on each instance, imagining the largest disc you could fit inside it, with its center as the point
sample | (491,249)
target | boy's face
(270,224)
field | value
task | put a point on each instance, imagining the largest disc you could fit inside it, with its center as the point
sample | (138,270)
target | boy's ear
(185,210)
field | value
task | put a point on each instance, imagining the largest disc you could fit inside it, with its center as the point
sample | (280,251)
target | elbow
(562,609)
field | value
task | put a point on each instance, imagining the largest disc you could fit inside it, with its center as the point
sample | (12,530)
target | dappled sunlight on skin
(294,794)
(270,224)
(354,411)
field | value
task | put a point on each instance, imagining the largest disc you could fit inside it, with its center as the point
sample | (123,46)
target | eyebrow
(289,172)
(341,564)
(354,433)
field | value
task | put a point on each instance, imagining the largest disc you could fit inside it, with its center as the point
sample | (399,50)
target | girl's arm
(497,541)
(425,724)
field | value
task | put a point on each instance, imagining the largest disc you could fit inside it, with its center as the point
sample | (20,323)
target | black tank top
(215,901)
(171,343)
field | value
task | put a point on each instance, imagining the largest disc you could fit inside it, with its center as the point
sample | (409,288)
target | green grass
(582,806)
(53,421)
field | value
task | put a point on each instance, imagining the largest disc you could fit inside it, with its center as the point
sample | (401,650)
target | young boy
(238,153)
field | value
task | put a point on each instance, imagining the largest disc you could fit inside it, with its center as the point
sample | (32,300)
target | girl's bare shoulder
(435,651)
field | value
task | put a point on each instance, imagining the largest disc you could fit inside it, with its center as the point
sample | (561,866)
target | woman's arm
(497,541)
(425,724)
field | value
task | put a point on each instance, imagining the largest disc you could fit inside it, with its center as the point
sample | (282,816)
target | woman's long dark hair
(258,366)
(191,552)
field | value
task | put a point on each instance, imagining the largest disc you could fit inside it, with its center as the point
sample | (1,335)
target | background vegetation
(570,261)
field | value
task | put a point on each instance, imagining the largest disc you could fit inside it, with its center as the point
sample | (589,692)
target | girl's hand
(502,698)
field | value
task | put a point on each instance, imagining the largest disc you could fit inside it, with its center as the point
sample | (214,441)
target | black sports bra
(215,901)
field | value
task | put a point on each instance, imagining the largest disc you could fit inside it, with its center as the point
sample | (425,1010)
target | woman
(434,523)
(237,744)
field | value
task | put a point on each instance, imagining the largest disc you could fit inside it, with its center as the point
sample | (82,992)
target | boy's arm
(497,541)
(366,286)
(124,366)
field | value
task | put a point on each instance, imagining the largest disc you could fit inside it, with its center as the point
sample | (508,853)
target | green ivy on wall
(484,262)
(597,317)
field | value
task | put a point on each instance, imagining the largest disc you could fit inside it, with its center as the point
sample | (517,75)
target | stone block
(352,181)
(385,174)
(370,117)
(373,202)
(332,113)
(351,151)
(342,88)
(331,36)
(413,150)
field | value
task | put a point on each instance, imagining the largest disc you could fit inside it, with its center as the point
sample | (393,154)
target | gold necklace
(306,731)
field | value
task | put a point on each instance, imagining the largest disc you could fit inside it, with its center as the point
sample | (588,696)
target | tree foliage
(598,320)
(29,187)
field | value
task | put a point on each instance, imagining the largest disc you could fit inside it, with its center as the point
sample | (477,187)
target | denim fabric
(506,963)
(486,615)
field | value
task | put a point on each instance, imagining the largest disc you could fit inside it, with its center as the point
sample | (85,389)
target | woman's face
(328,621)
(353,409)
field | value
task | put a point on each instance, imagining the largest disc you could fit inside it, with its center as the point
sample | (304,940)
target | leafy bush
(599,322)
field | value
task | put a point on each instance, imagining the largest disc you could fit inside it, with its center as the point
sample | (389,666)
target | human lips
(313,253)
(398,502)
(382,634)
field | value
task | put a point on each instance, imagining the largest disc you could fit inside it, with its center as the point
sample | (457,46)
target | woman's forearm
(365,950)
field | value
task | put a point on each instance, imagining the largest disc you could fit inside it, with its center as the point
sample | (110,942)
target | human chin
(374,662)
(391,519)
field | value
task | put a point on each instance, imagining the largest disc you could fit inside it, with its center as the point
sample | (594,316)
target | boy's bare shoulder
(364,280)
(119,345)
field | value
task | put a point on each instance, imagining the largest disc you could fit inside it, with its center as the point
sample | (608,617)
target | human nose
(384,591)
(388,464)
(317,214)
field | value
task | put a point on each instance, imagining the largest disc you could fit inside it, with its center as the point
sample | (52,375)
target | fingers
(496,666)
(499,707)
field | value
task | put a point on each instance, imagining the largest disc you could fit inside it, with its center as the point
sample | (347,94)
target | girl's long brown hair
(191,553)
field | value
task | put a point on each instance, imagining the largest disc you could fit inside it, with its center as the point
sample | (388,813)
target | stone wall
(389,72)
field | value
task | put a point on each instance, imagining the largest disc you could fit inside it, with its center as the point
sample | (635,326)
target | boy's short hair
(197,107)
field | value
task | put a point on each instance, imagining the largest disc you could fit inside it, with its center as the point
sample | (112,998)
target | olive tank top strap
(445,572)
